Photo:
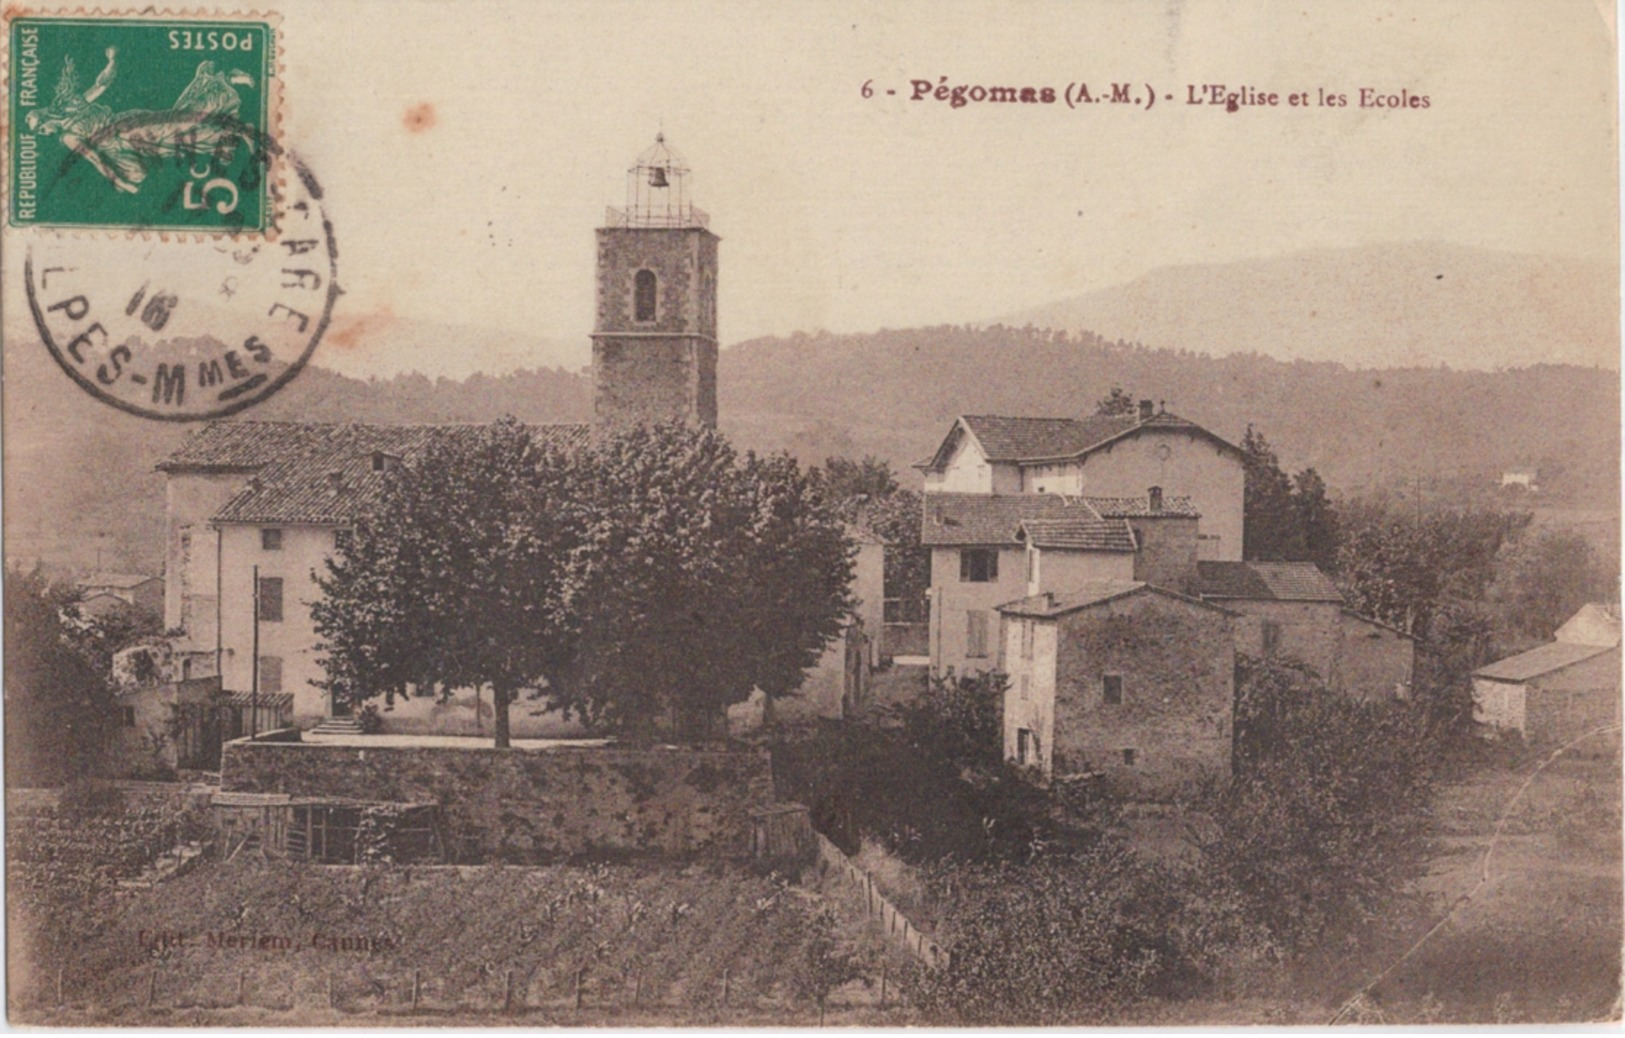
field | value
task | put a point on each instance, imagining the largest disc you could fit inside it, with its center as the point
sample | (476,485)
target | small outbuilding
(1558,691)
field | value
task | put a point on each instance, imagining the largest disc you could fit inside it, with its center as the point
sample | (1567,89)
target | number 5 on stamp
(142,123)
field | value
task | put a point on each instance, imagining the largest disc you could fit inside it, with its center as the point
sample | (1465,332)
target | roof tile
(1543,659)
(953,519)
(1140,508)
(316,473)
(1080,533)
(1014,439)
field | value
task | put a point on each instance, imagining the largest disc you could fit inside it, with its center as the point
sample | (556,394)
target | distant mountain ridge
(80,485)
(1376,306)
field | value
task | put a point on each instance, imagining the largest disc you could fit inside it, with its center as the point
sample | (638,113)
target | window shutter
(976,633)
(270,595)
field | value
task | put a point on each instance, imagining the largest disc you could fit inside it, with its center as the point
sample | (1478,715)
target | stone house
(1558,691)
(1108,497)
(1122,680)
(1293,609)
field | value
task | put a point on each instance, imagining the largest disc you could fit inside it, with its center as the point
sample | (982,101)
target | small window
(643,295)
(1128,757)
(1027,627)
(1024,686)
(271,539)
(270,674)
(1272,637)
(270,600)
(129,716)
(1111,689)
(976,632)
(978,565)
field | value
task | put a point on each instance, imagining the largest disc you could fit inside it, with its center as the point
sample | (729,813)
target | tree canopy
(643,584)
(60,706)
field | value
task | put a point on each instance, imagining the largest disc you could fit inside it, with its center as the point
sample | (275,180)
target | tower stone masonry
(654,351)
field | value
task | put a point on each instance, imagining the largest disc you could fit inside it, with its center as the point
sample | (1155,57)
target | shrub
(370,720)
(1079,937)
(1324,819)
(826,962)
(957,719)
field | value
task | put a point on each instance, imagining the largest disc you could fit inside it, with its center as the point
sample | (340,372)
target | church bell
(657,177)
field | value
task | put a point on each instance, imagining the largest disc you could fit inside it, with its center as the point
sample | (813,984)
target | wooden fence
(895,924)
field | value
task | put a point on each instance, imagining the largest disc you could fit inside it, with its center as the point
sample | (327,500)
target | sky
(468,150)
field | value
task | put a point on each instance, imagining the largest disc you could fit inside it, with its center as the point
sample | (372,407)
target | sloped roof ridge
(1542,659)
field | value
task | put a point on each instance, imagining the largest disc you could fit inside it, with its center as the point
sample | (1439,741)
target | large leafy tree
(845,480)
(867,494)
(1543,577)
(1117,402)
(458,578)
(645,583)
(701,576)
(1273,530)
(59,696)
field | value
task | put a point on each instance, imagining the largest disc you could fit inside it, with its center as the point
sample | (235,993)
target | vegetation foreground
(258,942)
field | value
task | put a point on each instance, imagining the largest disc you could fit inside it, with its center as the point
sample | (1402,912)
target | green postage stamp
(142,123)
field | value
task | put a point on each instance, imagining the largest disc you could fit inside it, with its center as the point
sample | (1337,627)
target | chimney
(1155,494)
(335,481)
(1145,410)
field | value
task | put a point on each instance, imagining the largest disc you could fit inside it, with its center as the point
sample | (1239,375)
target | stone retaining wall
(533,805)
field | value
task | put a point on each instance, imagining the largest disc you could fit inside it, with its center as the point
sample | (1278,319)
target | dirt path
(1536,930)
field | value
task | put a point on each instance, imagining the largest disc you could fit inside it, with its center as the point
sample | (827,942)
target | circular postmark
(185,330)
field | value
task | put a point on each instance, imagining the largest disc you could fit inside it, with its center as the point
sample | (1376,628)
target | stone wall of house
(527,805)
(1374,662)
(1168,552)
(1567,703)
(1184,465)
(190,578)
(1310,631)
(1176,662)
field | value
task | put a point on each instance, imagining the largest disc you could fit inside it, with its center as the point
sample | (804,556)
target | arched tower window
(643,296)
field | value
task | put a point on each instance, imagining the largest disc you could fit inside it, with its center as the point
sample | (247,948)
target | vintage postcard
(867,515)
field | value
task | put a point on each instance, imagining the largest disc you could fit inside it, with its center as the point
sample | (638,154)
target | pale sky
(850,214)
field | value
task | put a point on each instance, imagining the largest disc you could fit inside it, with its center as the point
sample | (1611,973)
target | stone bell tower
(654,344)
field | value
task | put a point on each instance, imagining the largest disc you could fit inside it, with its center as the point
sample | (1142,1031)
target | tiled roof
(243,446)
(1015,439)
(952,519)
(1540,660)
(319,474)
(1009,439)
(1080,533)
(1266,581)
(1093,593)
(1140,508)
